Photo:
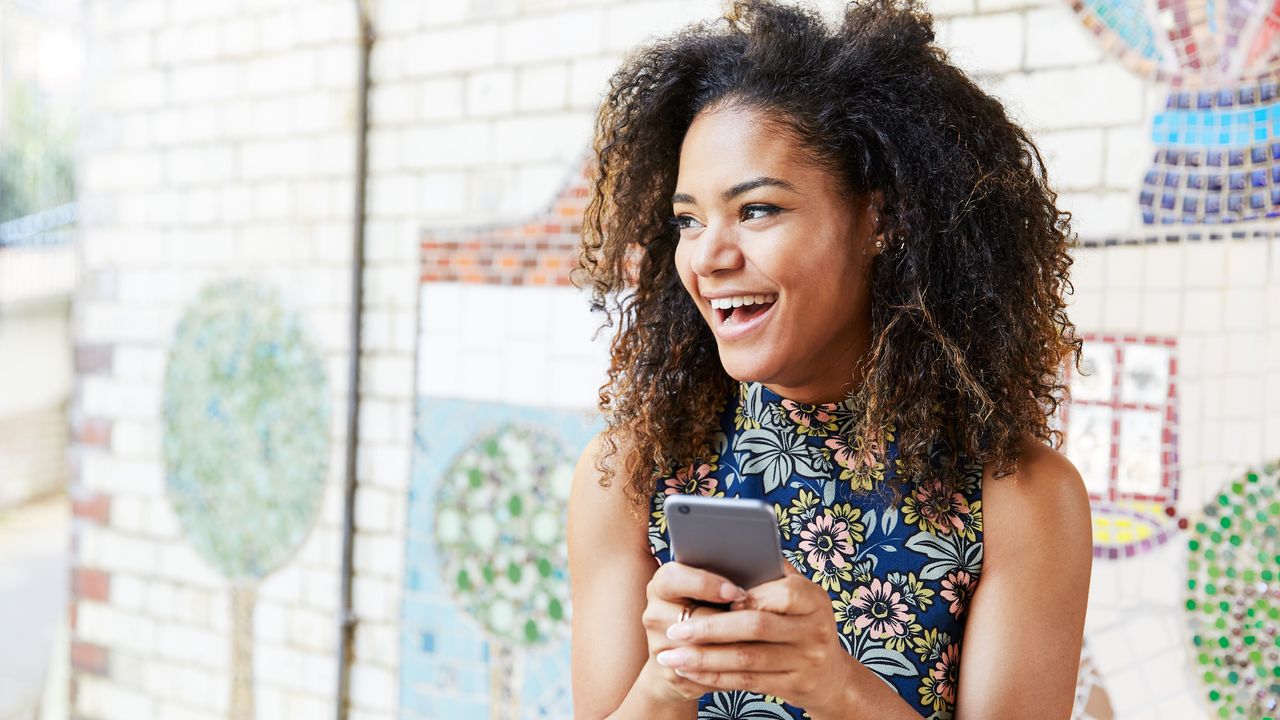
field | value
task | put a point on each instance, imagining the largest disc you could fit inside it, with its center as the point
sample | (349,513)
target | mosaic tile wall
(486,599)
(1217,140)
(1171,424)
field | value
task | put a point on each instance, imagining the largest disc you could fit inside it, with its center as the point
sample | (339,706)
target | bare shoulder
(598,511)
(1044,500)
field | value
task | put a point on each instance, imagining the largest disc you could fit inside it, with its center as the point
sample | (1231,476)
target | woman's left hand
(780,641)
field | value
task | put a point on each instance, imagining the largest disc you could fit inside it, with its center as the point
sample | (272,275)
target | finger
(674,582)
(766,683)
(793,594)
(734,626)
(734,657)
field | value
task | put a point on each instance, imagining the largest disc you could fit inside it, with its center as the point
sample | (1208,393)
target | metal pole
(347,619)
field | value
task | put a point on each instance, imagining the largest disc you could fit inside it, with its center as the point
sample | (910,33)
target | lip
(737,331)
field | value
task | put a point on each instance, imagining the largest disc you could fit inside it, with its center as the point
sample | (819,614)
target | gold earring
(880,245)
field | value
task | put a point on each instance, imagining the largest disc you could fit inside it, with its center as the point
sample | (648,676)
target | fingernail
(670,658)
(729,591)
(679,672)
(680,631)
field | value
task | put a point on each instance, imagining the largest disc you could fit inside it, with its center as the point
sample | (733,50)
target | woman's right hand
(672,588)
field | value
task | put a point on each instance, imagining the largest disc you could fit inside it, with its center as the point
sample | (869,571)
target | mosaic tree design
(1218,138)
(500,531)
(246,422)
(1233,596)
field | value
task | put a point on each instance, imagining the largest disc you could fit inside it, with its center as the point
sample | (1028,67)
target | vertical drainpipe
(346,617)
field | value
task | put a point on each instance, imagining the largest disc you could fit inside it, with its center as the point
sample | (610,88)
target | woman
(836,271)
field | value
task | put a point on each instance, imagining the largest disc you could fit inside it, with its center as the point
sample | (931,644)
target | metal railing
(38,257)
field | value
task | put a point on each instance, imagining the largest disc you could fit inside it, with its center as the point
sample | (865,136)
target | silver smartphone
(733,537)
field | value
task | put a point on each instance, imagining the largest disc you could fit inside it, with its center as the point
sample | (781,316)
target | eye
(759,210)
(684,222)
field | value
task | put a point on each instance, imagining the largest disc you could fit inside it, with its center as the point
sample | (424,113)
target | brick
(92,432)
(1105,94)
(88,658)
(93,359)
(1073,158)
(91,584)
(442,99)
(438,52)
(372,688)
(588,81)
(1055,38)
(93,507)
(542,87)
(559,35)
(491,93)
(987,43)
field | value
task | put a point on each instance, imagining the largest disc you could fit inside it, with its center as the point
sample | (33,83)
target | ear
(874,242)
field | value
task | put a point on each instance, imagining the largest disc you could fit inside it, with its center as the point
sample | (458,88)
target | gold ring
(686,612)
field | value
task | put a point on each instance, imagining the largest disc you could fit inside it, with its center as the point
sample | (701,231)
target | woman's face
(764,227)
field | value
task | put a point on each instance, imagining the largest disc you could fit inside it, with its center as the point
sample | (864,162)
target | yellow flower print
(832,577)
(850,514)
(784,520)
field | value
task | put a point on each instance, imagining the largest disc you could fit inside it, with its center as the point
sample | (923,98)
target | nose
(716,248)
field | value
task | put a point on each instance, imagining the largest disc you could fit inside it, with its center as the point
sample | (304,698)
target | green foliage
(37,151)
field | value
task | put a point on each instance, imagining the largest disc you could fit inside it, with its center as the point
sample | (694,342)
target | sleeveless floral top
(899,575)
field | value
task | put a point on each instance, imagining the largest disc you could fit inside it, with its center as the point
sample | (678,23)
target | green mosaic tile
(498,526)
(246,421)
(1233,602)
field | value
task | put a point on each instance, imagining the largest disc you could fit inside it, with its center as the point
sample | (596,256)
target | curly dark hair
(968,324)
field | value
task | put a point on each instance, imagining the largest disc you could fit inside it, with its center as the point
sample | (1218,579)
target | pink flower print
(692,481)
(880,607)
(841,451)
(811,419)
(946,673)
(826,540)
(957,588)
(930,506)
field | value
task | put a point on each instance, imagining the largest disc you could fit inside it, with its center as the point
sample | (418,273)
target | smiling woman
(836,270)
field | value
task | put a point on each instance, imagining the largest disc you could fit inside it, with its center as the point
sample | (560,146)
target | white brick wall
(220,144)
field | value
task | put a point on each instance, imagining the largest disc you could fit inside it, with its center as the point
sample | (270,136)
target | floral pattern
(900,576)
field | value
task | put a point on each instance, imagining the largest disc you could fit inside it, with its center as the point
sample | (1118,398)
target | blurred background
(203,516)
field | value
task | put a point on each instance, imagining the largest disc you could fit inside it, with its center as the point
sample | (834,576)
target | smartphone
(733,537)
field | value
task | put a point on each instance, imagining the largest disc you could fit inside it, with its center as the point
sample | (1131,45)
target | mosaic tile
(246,428)
(1222,68)
(1121,435)
(245,443)
(1233,596)
(485,535)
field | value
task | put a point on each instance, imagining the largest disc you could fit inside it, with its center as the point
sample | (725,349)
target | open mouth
(741,311)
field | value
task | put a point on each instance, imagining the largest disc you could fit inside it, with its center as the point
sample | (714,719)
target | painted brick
(1074,158)
(442,99)
(987,43)
(372,688)
(542,87)
(560,35)
(91,584)
(94,507)
(490,93)
(456,49)
(88,658)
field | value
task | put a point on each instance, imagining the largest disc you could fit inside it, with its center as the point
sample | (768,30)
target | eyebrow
(738,189)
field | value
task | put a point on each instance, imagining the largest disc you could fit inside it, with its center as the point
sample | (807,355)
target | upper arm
(610,566)
(1022,639)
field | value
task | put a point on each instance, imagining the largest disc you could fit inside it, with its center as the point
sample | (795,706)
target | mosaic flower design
(1218,138)
(500,529)
(1233,596)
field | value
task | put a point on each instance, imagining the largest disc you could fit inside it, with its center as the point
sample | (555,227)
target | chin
(746,369)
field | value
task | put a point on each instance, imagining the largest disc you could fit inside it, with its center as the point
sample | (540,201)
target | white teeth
(739,301)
